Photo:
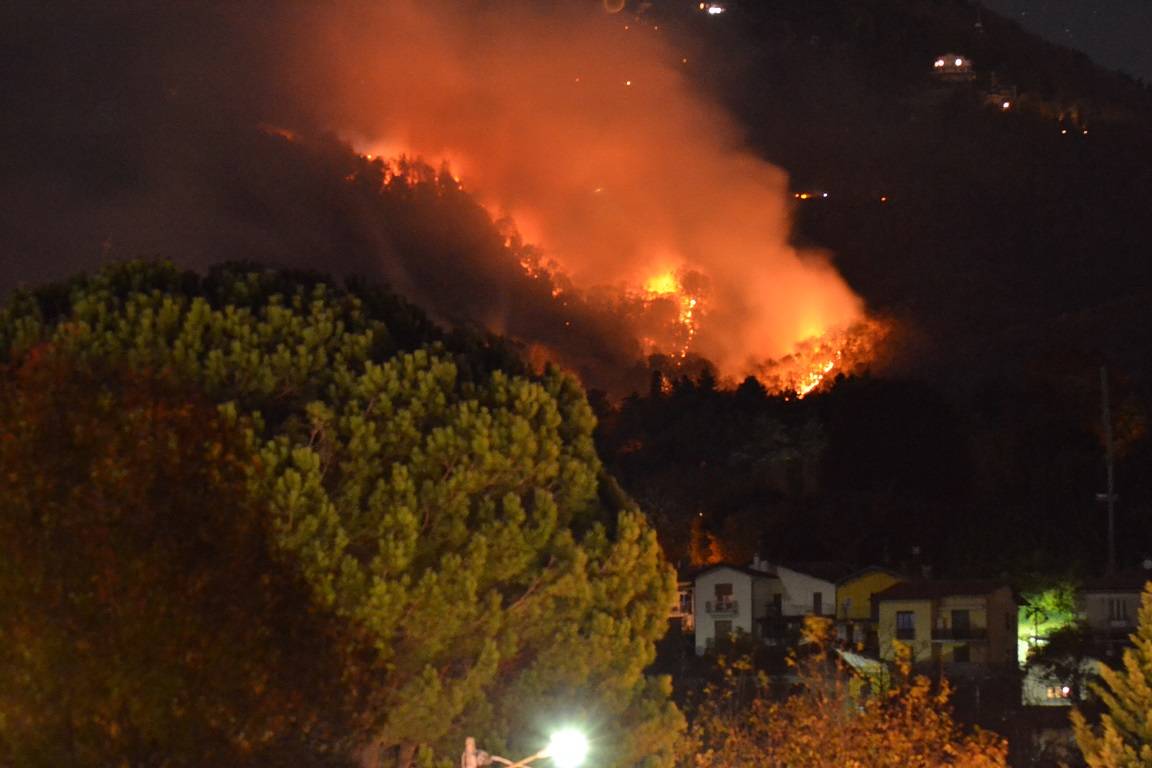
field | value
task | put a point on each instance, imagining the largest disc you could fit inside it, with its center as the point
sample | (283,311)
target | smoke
(585,129)
(137,131)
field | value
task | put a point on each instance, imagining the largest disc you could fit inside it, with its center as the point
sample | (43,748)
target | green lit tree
(450,511)
(1124,737)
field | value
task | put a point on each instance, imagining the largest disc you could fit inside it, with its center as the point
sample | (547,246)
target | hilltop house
(953,68)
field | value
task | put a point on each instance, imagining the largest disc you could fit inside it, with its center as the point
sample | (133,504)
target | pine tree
(451,511)
(1124,736)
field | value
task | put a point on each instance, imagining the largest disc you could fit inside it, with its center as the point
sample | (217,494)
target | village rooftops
(827,570)
(745,569)
(1124,581)
(936,590)
(867,570)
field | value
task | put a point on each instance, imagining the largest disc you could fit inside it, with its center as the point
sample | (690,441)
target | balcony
(721,607)
(959,634)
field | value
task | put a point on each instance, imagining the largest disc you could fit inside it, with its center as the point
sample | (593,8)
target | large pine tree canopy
(445,507)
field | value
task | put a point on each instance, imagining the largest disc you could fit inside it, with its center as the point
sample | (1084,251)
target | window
(1059,692)
(905,625)
(817,603)
(961,623)
(962,653)
(778,604)
(686,601)
(1118,609)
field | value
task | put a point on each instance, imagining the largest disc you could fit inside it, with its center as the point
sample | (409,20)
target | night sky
(1115,33)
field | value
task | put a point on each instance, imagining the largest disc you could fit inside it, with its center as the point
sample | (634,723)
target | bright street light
(567,748)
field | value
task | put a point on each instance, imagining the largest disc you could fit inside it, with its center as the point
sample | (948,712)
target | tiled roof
(1124,581)
(870,569)
(741,568)
(933,590)
(827,570)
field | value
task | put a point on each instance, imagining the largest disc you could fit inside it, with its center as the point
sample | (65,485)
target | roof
(741,568)
(871,569)
(1124,581)
(934,590)
(827,570)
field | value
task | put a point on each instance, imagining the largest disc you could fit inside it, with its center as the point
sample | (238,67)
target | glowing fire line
(801,373)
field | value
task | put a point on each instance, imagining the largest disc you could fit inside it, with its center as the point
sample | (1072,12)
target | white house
(731,599)
(808,590)
(765,601)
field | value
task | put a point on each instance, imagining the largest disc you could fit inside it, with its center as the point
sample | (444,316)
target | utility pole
(1109,462)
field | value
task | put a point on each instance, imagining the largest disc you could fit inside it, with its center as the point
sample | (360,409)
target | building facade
(731,600)
(856,616)
(958,624)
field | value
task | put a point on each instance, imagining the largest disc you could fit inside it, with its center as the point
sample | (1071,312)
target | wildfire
(670,301)
(814,378)
(662,284)
(817,361)
(668,286)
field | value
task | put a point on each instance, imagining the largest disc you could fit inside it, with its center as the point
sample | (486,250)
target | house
(765,601)
(962,625)
(855,608)
(953,68)
(713,9)
(729,600)
(808,589)
(1110,606)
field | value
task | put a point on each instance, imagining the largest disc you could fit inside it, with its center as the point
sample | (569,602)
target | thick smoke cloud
(135,132)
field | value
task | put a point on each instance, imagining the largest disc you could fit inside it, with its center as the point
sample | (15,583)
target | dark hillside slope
(996,225)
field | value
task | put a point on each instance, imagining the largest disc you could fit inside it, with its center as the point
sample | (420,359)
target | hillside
(979,228)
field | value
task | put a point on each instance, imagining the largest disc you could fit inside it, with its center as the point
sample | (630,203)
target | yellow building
(855,608)
(949,622)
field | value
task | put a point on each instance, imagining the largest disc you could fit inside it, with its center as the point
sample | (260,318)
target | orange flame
(526,105)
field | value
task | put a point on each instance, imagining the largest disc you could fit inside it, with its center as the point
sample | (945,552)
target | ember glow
(581,128)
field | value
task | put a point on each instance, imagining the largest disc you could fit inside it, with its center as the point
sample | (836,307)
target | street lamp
(567,748)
